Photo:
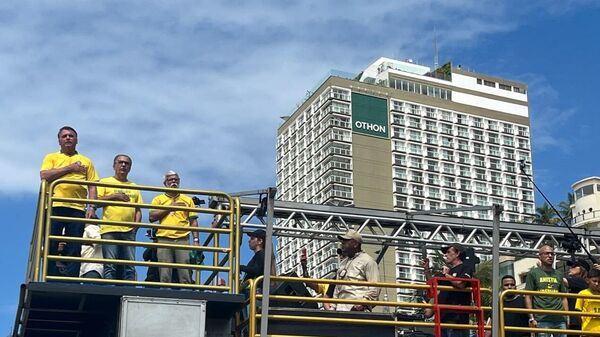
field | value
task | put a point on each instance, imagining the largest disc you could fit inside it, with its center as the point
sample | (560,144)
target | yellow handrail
(41,253)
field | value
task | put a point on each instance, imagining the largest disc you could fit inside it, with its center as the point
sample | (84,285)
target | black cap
(259,233)
(457,246)
(579,263)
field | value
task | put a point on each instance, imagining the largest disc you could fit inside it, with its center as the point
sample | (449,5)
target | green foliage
(484,274)
(545,215)
(564,207)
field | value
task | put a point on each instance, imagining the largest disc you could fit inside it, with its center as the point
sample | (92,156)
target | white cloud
(548,117)
(194,86)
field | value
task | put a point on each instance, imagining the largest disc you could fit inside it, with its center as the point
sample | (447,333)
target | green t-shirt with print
(551,282)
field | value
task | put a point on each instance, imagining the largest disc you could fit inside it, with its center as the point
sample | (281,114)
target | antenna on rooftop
(435,49)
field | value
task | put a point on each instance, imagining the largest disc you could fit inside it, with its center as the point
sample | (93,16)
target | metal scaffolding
(409,229)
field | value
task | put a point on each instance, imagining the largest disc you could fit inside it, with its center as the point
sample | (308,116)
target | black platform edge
(53,301)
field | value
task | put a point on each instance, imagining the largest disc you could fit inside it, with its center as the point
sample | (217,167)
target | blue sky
(198,86)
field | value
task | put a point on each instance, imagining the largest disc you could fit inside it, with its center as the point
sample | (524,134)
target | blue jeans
(120,252)
(72,248)
(455,333)
(551,325)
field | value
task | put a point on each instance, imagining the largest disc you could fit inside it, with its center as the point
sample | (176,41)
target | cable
(522,167)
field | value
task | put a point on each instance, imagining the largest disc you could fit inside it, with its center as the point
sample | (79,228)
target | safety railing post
(497,211)
(266,287)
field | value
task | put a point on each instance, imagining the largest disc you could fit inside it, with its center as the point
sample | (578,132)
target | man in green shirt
(546,279)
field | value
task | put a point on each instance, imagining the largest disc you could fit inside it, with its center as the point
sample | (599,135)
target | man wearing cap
(453,256)
(184,219)
(256,266)
(547,279)
(356,265)
(576,282)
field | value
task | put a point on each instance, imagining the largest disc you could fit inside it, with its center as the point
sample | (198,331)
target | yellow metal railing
(228,248)
(254,297)
(508,328)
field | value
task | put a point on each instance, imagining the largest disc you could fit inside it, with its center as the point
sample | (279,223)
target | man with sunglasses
(356,265)
(546,279)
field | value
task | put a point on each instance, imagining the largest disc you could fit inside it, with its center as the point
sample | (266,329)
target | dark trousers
(72,229)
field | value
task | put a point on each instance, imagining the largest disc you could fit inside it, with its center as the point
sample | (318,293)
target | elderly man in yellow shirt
(68,164)
(174,236)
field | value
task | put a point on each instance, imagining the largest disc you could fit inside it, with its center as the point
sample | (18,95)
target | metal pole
(497,210)
(266,287)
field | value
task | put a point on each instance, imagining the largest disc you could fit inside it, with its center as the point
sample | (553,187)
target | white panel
(492,104)
(158,317)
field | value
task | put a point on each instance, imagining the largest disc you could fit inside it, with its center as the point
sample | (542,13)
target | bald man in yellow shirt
(122,166)
(183,219)
(68,164)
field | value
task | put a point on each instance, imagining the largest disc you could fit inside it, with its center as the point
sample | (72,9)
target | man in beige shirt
(355,266)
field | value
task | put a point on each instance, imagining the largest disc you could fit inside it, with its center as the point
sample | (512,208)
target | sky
(199,86)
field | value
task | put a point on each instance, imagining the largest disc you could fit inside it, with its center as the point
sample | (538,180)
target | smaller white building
(586,209)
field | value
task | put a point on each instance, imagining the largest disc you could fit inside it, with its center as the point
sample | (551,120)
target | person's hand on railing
(90,213)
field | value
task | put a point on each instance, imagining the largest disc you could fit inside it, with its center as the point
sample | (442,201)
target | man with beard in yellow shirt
(122,165)
(68,164)
(181,219)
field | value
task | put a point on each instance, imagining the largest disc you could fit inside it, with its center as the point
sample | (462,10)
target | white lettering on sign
(369,126)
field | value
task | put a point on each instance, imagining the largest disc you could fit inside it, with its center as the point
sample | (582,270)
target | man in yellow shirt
(68,164)
(181,219)
(589,305)
(122,166)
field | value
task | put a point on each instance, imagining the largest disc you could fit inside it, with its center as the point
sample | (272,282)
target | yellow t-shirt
(59,160)
(591,306)
(323,287)
(174,218)
(118,213)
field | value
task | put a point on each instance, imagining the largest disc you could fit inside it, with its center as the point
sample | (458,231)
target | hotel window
(465,171)
(446,128)
(461,119)
(463,132)
(511,192)
(431,139)
(414,122)
(480,187)
(415,136)
(480,174)
(465,185)
(430,126)
(494,151)
(446,115)
(504,87)
(447,141)
(489,83)
(430,112)
(448,168)
(398,119)
(399,160)
(447,155)
(493,125)
(433,179)
(397,105)
(433,192)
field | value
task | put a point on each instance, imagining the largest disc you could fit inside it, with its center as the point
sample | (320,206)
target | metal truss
(408,230)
